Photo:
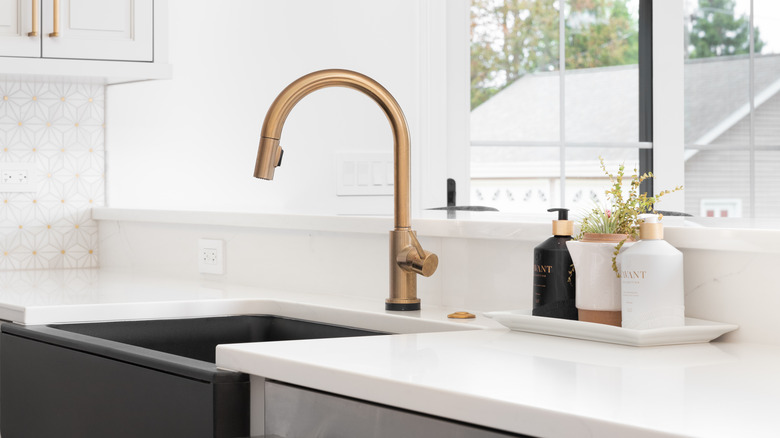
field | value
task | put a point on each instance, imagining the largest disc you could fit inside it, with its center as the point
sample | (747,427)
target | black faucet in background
(452,206)
(450,192)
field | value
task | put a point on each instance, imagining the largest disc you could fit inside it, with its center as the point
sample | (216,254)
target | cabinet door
(296,412)
(120,30)
(16,23)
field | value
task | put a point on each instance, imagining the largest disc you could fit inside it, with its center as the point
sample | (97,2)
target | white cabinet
(85,38)
(117,30)
(16,28)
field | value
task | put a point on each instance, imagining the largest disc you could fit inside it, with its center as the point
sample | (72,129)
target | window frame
(661,118)
(668,124)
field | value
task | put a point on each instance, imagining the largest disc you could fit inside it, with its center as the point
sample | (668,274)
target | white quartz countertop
(540,385)
(90,295)
(472,371)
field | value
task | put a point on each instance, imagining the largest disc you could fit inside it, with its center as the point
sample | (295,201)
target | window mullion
(751,117)
(562,96)
(646,91)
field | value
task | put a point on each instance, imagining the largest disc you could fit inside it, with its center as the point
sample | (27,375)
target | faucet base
(402,306)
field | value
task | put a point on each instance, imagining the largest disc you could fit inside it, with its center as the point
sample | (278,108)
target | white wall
(723,281)
(190,143)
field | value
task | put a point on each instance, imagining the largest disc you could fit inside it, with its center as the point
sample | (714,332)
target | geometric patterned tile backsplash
(57,127)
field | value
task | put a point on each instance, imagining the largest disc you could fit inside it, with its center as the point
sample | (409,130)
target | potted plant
(604,231)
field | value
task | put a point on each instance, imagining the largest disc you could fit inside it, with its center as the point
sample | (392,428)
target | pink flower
(609,213)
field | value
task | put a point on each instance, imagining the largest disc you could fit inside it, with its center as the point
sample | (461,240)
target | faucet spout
(407,258)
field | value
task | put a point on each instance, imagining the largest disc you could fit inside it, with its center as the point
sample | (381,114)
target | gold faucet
(407,257)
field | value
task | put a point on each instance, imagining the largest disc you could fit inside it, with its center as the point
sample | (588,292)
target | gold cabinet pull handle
(56,13)
(34,32)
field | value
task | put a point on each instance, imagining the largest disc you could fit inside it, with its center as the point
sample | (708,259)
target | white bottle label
(652,291)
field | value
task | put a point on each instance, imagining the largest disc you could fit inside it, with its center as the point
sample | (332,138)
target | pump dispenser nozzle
(563,213)
(563,226)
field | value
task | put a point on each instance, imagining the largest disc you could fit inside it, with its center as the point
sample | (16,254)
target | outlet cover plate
(211,256)
(18,177)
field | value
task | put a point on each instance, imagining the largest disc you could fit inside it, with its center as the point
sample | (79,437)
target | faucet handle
(414,258)
(416,243)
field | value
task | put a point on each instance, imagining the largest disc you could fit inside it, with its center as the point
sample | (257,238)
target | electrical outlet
(17,177)
(211,258)
(208,256)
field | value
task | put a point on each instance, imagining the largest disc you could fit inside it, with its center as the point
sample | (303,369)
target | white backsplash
(50,287)
(57,127)
(475,274)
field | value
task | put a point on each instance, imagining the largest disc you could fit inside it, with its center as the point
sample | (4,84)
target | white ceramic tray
(694,331)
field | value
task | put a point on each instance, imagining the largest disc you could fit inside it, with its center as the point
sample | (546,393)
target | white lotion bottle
(651,280)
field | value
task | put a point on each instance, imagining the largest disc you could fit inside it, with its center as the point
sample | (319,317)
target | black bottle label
(553,280)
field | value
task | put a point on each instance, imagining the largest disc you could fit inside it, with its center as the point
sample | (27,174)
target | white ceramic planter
(597,286)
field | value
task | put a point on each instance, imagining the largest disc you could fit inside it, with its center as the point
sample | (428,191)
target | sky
(766,19)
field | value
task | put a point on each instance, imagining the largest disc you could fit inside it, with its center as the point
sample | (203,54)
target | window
(544,112)
(721,208)
(732,108)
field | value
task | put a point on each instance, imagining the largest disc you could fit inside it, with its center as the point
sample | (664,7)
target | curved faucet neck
(268,157)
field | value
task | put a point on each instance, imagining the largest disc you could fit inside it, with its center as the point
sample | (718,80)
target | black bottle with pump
(554,272)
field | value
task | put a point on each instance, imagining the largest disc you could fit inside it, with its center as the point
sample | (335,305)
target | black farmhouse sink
(148,379)
(197,338)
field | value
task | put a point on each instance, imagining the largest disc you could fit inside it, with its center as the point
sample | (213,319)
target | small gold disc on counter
(461,315)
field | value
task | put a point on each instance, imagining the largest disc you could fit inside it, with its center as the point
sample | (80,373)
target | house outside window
(537,139)
(732,113)
(543,113)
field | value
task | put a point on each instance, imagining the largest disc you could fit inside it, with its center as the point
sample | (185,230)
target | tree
(716,30)
(600,34)
(513,37)
(510,38)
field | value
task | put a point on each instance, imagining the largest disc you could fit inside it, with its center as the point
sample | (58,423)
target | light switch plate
(364,174)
